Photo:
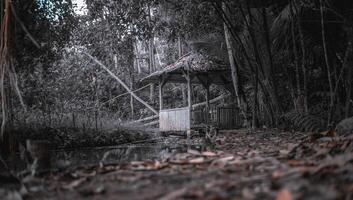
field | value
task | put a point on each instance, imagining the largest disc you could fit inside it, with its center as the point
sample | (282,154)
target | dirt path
(261,165)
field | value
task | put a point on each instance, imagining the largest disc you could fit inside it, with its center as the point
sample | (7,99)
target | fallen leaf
(83,174)
(197,160)
(284,194)
(248,194)
(146,165)
(349,188)
(194,152)
(222,162)
(74,184)
(277,175)
(329,133)
(295,162)
(208,154)
(174,195)
(284,152)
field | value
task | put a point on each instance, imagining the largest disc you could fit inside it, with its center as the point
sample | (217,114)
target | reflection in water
(61,159)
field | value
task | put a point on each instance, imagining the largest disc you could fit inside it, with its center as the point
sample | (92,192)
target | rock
(345,127)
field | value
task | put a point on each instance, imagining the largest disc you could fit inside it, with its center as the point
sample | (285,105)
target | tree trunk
(137,57)
(4,62)
(151,55)
(239,41)
(190,92)
(152,68)
(131,97)
(254,113)
(295,51)
(303,64)
(180,53)
(349,64)
(234,70)
(327,62)
(349,92)
(259,65)
(273,83)
(1,11)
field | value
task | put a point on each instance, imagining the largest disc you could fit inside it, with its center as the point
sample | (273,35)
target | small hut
(193,68)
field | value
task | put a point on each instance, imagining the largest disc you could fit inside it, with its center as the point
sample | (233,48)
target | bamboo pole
(132,102)
(219,98)
(121,82)
(180,53)
(160,94)
(188,133)
(326,61)
(233,66)
(349,77)
(302,45)
(207,103)
(144,119)
(126,93)
(296,57)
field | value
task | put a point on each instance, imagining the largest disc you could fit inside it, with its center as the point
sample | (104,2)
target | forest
(176,99)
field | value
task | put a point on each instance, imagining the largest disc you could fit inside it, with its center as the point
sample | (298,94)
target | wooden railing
(178,119)
(222,117)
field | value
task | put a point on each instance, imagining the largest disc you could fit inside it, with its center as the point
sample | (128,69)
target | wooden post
(189,101)
(160,94)
(131,97)
(132,106)
(207,103)
(137,56)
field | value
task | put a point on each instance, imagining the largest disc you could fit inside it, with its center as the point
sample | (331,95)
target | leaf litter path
(265,164)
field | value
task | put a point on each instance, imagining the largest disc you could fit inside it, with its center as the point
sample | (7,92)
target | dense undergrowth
(69,137)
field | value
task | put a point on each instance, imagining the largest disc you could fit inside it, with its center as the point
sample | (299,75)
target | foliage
(302,122)
(282,41)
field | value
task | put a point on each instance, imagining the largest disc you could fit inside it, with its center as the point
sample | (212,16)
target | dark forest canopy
(176,99)
(293,59)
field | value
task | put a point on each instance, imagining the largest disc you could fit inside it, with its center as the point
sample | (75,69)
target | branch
(24,27)
(121,82)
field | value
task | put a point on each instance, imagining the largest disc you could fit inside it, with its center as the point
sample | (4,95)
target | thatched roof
(197,64)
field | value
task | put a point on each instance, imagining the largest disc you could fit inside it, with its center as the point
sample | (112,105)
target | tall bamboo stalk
(273,82)
(295,51)
(233,67)
(326,61)
(303,62)
(349,63)
(239,41)
(180,53)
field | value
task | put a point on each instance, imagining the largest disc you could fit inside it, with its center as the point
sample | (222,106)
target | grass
(77,130)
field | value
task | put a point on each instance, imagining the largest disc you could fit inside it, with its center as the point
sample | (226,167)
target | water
(116,155)
(63,159)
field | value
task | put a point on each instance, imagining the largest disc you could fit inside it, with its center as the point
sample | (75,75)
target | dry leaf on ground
(284,194)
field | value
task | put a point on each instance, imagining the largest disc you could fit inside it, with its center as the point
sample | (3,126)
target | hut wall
(174,119)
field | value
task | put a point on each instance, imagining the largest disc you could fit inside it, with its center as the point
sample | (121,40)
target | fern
(302,122)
